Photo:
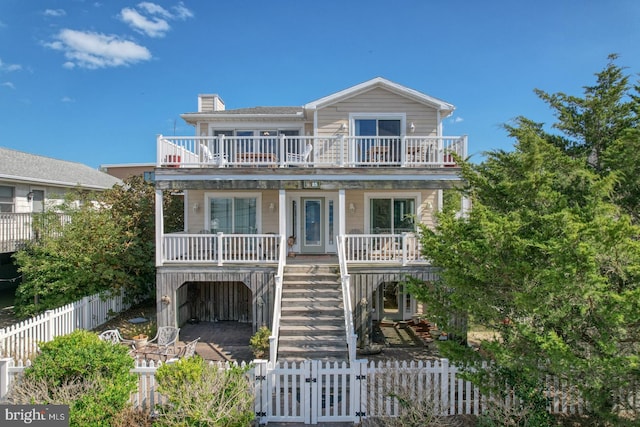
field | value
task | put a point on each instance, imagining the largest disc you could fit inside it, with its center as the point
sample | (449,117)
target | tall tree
(590,124)
(107,245)
(548,262)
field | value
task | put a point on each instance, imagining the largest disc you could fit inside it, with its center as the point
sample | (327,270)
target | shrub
(90,375)
(259,342)
(201,394)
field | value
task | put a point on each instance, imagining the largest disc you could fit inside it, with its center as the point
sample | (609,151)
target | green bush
(259,342)
(202,394)
(95,374)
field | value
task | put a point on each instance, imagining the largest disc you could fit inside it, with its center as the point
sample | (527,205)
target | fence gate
(309,392)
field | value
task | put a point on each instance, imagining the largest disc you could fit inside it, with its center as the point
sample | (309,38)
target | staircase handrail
(345,280)
(277,304)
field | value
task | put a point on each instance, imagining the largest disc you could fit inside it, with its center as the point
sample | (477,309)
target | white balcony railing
(16,229)
(286,151)
(220,248)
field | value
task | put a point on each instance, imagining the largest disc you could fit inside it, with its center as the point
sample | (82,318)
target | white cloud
(456,120)
(54,12)
(152,19)
(154,27)
(181,12)
(9,67)
(95,50)
(8,84)
(67,99)
(154,9)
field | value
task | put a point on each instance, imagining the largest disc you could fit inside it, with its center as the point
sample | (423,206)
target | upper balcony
(310,151)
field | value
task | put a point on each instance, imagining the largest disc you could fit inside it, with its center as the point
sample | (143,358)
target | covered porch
(233,249)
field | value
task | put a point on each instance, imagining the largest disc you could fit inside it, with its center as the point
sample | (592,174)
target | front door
(313,225)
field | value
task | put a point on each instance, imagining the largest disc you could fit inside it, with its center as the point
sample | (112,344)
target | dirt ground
(224,340)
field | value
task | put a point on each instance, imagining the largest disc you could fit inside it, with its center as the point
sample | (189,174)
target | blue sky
(96,81)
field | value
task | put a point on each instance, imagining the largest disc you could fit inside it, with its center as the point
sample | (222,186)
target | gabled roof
(24,167)
(444,107)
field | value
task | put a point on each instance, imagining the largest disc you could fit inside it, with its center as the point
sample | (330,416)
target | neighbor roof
(444,107)
(25,167)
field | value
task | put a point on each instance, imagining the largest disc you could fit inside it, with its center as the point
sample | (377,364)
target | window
(384,144)
(255,141)
(377,127)
(392,216)
(6,198)
(233,215)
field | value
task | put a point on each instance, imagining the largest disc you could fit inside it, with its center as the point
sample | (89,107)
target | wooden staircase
(312,320)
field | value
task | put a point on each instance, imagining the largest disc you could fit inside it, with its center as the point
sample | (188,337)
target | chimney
(210,103)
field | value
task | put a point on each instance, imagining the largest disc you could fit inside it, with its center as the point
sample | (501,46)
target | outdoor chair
(217,159)
(113,336)
(297,158)
(165,340)
(185,352)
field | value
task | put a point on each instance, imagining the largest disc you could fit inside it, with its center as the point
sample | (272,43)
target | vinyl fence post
(50,325)
(444,386)
(4,377)
(86,314)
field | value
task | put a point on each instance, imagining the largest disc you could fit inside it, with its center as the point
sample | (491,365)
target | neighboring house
(343,179)
(29,183)
(127,170)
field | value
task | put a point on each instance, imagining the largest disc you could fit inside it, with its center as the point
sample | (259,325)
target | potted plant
(140,340)
(290,242)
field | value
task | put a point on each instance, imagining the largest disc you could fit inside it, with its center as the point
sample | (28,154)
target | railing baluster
(340,151)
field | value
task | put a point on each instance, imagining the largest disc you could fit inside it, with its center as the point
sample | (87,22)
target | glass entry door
(313,225)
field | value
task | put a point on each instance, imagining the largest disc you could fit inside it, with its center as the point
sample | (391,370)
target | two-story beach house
(304,218)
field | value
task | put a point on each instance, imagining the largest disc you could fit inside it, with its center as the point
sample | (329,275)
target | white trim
(328,196)
(378,116)
(386,84)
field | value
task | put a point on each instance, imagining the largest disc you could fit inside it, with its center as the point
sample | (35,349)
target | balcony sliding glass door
(233,215)
(384,146)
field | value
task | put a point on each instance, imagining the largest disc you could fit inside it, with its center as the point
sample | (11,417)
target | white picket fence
(20,340)
(313,391)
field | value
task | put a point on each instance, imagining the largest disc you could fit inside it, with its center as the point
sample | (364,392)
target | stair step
(308,318)
(312,340)
(310,330)
(312,314)
(313,305)
(313,347)
(290,298)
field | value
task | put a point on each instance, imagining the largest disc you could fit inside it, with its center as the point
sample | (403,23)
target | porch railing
(318,151)
(18,228)
(277,305)
(400,249)
(221,248)
(345,280)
